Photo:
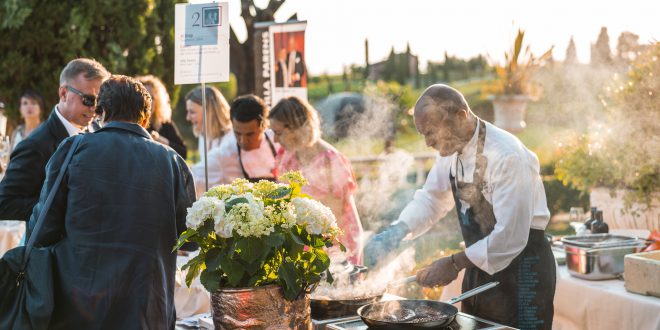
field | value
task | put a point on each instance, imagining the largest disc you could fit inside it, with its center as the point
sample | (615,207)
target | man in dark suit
(80,81)
(296,64)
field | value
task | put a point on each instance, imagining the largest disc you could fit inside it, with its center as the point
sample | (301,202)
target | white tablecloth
(189,301)
(602,305)
(11,233)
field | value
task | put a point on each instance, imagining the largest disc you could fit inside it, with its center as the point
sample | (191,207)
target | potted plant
(261,250)
(618,160)
(516,88)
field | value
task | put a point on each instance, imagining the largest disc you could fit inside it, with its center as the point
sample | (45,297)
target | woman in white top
(218,127)
(32,108)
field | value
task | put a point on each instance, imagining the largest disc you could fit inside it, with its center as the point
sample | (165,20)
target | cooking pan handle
(473,292)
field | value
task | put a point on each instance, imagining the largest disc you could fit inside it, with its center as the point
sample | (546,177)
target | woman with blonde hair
(161,127)
(331,179)
(218,128)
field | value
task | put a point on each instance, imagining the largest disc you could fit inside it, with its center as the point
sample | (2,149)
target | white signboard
(201,43)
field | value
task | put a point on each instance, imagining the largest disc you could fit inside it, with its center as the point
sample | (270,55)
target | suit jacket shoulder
(26,171)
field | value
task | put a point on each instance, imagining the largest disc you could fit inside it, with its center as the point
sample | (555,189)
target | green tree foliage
(623,149)
(454,68)
(40,37)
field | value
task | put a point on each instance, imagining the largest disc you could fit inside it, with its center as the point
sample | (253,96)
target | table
(582,304)
(11,233)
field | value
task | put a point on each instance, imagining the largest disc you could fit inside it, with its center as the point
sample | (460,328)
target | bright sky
(336,29)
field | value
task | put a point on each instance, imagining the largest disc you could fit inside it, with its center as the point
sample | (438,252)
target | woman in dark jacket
(115,218)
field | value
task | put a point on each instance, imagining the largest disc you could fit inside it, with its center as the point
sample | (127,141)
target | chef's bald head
(441,99)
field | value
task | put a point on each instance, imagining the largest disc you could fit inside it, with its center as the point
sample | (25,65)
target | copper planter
(259,308)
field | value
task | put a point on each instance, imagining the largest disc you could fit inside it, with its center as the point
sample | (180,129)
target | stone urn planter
(615,214)
(263,308)
(510,111)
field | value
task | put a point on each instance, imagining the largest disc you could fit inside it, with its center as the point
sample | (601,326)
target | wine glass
(576,218)
(5,151)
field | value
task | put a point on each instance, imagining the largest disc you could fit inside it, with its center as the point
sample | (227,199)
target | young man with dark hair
(250,152)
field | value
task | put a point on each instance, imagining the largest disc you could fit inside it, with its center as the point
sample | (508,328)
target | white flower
(248,219)
(289,215)
(315,217)
(202,209)
(282,214)
(222,227)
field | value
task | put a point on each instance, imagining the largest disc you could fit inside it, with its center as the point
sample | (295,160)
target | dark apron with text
(524,297)
(240,162)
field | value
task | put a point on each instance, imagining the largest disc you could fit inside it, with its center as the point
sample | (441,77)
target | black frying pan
(334,308)
(379,315)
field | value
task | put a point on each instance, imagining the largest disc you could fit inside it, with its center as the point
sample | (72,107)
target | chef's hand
(384,243)
(441,272)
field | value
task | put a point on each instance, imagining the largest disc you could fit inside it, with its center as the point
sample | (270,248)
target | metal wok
(325,308)
(380,315)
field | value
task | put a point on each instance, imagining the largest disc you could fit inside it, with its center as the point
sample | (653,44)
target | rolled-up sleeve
(432,202)
(513,206)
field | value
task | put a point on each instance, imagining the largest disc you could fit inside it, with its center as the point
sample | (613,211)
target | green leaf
(206,228)
(212,259)
(275,239)
(296,238)
(211,279)
(185,236)
(328,277)
(252,267)
(197,260)
(293,245)
(289,274)
(233,269)
(312,278)
(254,279)
(280,192)
(251,248)
(317,241)
(193,272)
(322,260)
(342,247)
(235,201)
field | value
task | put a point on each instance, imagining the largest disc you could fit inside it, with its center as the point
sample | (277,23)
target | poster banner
(280,60)
(201,43)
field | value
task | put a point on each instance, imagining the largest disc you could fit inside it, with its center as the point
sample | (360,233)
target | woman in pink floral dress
(331,179)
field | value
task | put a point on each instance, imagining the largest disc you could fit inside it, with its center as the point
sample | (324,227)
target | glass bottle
(591,219)
(599,227)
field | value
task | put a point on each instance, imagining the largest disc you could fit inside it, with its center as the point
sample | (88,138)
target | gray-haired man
(80,81)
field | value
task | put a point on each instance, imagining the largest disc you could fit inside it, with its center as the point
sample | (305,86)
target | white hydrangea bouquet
(260,234)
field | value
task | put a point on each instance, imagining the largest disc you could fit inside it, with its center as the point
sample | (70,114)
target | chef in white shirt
(250,151)
(494,182)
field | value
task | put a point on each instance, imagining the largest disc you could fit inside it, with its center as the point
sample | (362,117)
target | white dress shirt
(224,167)
(198,169)
(513,186)
(70,128)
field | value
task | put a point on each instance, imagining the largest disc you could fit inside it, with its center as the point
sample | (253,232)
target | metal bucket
(259,308)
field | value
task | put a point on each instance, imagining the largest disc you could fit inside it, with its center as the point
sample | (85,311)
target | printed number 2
(195,17)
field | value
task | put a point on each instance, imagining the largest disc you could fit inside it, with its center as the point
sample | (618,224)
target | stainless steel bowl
(599,256)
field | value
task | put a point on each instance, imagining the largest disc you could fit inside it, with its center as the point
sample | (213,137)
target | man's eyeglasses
(87,100)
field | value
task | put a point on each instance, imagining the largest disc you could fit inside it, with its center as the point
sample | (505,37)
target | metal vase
(259,308)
